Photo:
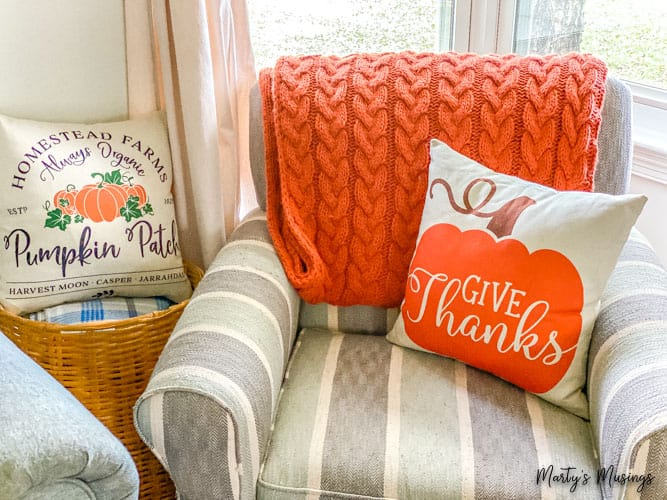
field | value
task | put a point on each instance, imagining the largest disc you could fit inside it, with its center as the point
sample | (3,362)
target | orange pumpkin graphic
(494,305)
(100,202)
(64,200)
(136,190)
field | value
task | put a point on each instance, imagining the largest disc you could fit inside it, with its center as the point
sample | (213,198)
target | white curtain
(193,59)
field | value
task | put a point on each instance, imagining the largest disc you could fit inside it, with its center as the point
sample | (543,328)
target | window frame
(485,26)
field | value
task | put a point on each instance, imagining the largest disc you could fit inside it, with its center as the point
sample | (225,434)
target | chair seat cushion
(362,418)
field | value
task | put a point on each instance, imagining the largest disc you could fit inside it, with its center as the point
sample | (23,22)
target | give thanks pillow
(507,275)
(86,212)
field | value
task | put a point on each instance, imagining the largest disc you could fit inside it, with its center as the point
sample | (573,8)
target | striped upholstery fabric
(628,368)
(351,319)
(361,418)
(208,407)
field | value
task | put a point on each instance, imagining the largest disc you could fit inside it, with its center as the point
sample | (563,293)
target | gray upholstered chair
(258,394)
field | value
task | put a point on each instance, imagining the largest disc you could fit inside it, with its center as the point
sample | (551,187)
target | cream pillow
(507,275)
(87,212)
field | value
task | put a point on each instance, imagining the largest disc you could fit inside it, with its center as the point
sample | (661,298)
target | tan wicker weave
(106,365)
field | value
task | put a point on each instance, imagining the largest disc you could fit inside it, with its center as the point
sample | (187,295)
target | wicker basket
(106,365)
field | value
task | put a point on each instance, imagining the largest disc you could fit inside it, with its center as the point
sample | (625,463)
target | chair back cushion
(612,175)
(612,172)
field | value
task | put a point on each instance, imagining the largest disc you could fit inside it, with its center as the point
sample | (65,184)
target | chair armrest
(627,370)
(51,446)
(208,408)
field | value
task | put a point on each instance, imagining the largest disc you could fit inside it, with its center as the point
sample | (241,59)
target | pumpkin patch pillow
(507,275)
(87,212)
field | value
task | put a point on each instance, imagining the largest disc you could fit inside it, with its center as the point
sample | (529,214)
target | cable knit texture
(347,156)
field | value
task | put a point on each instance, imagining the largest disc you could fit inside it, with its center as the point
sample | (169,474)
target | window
(344,26)
(629,35)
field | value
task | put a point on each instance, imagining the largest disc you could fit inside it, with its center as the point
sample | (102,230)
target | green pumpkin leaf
(114,177)
(57,219)
(63,202)
(78,219)
(148,209)
(131,209)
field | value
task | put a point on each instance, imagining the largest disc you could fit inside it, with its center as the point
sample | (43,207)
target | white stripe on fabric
(393,432)
(234,334)
(232,462)
(332,317)
(611,342)
(637,237)
(465,431)
(250,243)
(222,294)
(295,349)
(262,274)
(225,384)
(640,263)
(541,443)
(252,218)
(641,431)
(157,427)
(322,416)
(622,382)
(656,292)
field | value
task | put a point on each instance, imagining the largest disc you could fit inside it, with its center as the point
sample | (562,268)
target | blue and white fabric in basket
(112,308)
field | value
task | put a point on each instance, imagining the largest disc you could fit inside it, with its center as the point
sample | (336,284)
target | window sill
(649,162)
(649,132)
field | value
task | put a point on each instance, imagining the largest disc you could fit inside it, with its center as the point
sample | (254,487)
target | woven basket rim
(194,273)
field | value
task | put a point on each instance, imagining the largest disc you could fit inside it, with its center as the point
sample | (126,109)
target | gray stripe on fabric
(618,423)
(356,430)
(499,418)
(206,422)
(242,282)
(657,456)
(638,250)
(231,358)
(612,173)
(252,230)
(363,319)
(349,319)
(629,311)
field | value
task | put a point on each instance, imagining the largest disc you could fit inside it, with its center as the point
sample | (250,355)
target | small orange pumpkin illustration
(136,190)
(100,202)
(64,200)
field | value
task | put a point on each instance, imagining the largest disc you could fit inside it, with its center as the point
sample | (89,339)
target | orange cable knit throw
(347,151)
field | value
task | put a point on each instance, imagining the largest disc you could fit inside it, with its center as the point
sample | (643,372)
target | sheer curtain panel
(193,60)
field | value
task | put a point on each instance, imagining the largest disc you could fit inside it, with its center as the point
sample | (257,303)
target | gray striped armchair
(258,394)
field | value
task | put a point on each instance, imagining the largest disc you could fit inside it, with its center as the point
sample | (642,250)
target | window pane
(280,27)
(629,35)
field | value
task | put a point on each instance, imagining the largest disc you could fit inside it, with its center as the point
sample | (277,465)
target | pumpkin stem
(101,176)
(70,187)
